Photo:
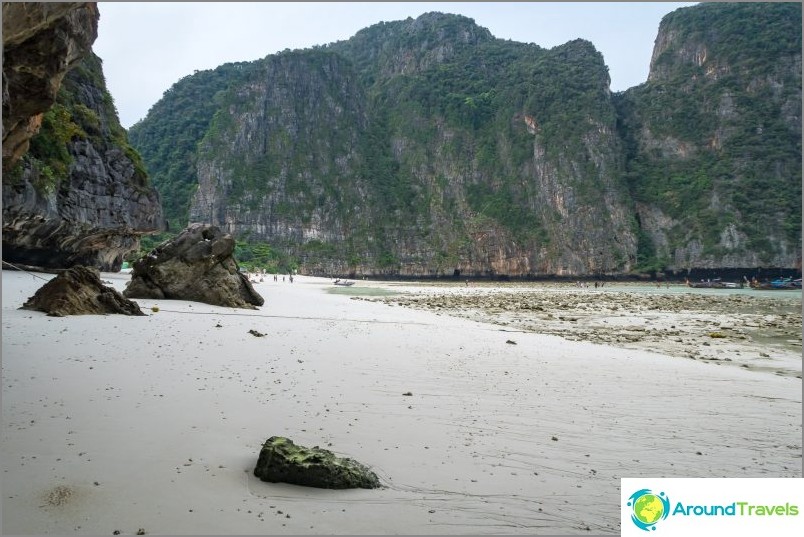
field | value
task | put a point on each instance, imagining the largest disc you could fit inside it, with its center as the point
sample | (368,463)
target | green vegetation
(84,110)
(501,207)
(48,156)
(747,36)
(724,149)
(169,137)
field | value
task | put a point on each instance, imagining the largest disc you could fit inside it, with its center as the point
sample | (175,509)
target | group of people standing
(259,277)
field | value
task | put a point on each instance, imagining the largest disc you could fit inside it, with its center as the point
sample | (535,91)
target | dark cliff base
(726,274)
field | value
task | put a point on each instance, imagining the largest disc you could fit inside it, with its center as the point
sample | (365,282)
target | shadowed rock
(81,195)
(41,42)
(198,265)
(79,291)
(283,461)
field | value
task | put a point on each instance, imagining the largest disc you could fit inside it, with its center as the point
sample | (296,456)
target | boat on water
(778,283)
(717,283)
(345,283)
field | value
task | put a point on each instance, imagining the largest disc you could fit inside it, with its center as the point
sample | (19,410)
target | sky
(148,46)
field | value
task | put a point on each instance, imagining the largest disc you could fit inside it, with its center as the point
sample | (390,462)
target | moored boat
(717,283)
(777,284)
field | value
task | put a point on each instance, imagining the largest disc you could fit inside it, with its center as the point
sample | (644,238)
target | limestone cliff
(378,156)
(280,159)
(714,139)
(80,195)
(428,147)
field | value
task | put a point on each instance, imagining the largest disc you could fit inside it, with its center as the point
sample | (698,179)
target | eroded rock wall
(41,42)
(75,192)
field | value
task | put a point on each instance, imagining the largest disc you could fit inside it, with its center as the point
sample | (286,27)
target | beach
(114,423)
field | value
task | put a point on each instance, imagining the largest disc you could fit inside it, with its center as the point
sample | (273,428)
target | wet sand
(154,423)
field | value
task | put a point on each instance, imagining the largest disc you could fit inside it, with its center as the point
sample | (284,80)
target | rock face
(379,156)
(80,195)
(197,265)
(713,139)
(428,148)
(283,461)
(41,42)
(79,291)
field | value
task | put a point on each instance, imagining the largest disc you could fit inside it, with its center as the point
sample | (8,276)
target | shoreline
(753,329)
(167,412)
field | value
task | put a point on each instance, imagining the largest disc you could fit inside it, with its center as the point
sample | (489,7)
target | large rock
(198,265)
(41,42)
(79,291)
(283,461)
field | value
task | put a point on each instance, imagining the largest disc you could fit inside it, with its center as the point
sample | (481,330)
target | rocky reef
(80,195)
(283,461)
(197,265)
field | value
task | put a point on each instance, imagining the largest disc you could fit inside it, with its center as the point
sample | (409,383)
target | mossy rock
(283,461)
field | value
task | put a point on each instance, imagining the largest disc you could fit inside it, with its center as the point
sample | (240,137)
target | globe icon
(648,509)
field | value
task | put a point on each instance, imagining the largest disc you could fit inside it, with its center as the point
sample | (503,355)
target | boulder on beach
(79,291)
(283,461)
(198,265)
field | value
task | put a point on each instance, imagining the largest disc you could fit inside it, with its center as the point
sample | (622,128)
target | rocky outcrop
(197,265)
(281,460)
(79,291)
(81,195)
(41,42)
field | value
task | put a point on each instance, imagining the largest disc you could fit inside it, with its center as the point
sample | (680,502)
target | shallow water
(361,291)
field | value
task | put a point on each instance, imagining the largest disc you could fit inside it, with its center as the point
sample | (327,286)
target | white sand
(166,413)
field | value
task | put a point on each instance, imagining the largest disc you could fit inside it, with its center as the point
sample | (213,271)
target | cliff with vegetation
(713,139)
(428,147)
(74,190)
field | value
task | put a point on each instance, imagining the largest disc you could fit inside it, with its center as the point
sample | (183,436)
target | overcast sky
(146,47)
